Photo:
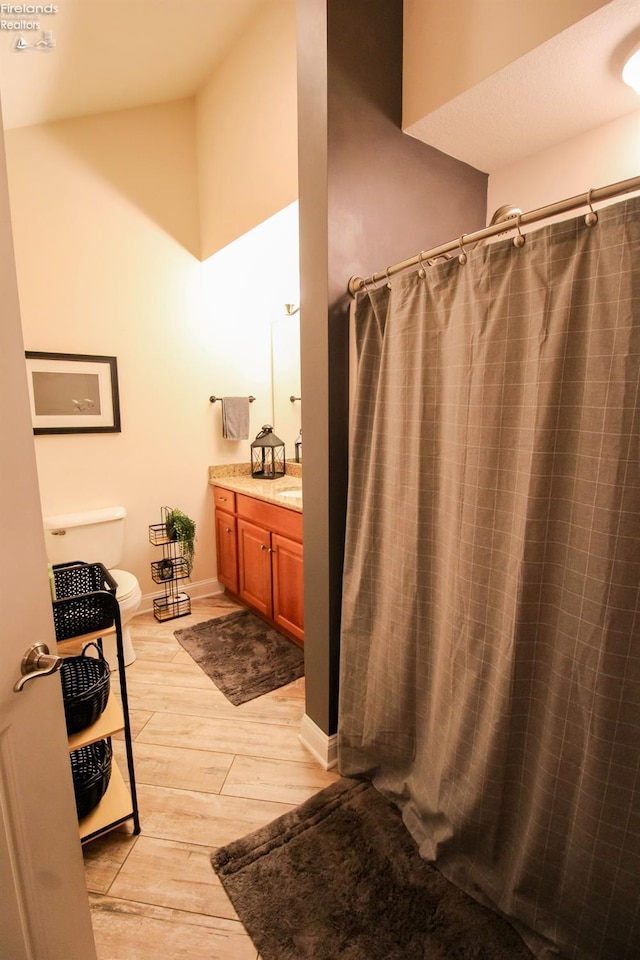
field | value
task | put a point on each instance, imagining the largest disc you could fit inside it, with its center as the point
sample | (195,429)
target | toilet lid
(127,583)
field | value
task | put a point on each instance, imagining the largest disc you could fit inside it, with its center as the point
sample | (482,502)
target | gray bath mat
(243,655)
(341,877)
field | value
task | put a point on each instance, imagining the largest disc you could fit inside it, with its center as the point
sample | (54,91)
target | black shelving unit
(169,571)
(84,610)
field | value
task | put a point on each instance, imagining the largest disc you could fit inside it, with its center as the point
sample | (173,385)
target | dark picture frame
(73,393)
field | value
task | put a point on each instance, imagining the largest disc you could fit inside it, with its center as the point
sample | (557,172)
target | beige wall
(603,155)
(105,220)
(247,130)
(451,46)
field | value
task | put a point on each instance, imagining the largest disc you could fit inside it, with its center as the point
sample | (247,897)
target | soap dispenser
(298,447)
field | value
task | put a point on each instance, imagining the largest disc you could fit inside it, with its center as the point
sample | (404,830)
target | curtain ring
(388,278)
(518,240)
(592,217)
(422,273)
(462,258)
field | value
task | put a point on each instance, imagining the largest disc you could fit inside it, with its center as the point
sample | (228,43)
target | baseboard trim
(196,590)
(322,746)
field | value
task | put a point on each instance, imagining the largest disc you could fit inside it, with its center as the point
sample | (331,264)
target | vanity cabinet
(260,558)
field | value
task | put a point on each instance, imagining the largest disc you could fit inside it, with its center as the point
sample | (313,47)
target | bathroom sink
(294,494)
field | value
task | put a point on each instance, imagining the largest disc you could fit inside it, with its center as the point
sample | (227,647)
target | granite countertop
(237,477)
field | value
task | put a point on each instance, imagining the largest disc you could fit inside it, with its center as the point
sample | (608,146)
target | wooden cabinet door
(227,550)
(254,566)
(288,590)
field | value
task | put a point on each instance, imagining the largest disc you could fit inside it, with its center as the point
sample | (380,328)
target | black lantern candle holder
(267,455)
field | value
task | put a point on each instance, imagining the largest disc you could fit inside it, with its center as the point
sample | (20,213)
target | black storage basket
(85,688)
(85,599)
(91,770)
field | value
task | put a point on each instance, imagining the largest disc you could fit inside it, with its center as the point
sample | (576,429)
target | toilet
(97,536)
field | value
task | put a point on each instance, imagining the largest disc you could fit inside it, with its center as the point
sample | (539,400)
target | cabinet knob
(229,530)
(264,547)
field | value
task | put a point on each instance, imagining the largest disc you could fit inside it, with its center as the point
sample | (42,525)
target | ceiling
(115,54)
(560,89)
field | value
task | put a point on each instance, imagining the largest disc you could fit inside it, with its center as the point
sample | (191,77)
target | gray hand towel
(235,418)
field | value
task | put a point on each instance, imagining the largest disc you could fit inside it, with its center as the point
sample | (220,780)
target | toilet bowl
(129,597)
(97,536)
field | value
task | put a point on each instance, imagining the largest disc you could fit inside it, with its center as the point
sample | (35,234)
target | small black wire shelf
(158,534)
(168,608)
(172,568)
(169,568)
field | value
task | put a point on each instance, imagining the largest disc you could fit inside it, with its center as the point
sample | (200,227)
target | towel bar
(215,399)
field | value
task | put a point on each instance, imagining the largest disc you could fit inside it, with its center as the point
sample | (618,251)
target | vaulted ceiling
(114,54)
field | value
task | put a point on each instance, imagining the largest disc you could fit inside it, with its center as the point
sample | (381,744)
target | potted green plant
(182,528)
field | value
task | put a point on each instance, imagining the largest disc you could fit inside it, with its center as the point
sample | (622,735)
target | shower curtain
(490,649)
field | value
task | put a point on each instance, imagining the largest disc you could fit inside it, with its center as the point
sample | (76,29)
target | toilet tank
(96,536)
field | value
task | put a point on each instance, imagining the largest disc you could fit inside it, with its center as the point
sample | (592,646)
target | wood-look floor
(207,773)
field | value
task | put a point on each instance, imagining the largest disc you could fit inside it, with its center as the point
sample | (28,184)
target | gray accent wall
(369,196)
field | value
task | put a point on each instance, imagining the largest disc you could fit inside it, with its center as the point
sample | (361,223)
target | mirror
(285,380)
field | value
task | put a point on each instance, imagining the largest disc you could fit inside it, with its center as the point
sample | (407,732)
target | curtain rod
(532,216)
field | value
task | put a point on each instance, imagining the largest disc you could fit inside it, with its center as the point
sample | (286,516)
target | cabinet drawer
(224,499)
(275,518)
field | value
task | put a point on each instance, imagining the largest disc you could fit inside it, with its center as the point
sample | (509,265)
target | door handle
(37,662)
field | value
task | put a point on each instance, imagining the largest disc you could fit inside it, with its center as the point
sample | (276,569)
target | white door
(44,909)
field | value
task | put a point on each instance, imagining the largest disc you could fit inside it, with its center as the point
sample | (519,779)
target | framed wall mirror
(285,379)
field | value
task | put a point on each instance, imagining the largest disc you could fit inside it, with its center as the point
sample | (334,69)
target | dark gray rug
(243,655)
(340,878)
